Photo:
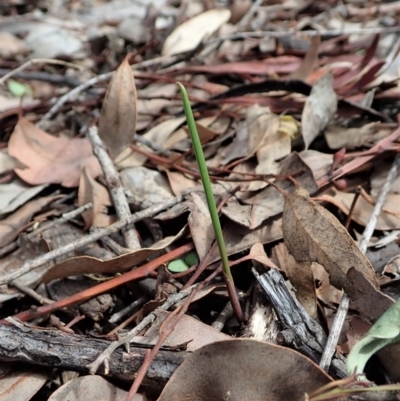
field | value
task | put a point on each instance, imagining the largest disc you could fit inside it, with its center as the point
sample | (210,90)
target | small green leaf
(192,258)
(385,331)
(177,266)
(18,89)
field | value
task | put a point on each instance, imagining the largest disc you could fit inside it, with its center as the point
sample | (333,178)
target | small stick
(367,234)
(39,61)
(352,207)
(127,338)
(115,188)
(113,228)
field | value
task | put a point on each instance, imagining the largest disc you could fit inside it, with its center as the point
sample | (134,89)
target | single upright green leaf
(385,331)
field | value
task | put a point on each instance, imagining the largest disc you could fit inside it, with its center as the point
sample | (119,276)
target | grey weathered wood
(57,349)
(300,330)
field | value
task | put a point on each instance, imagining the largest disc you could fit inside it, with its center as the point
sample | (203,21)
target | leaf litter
(309,107)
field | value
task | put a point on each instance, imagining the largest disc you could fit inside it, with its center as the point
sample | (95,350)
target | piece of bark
(56,349)
(300,330)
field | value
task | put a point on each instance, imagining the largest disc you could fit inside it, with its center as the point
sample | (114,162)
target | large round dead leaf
(244,369)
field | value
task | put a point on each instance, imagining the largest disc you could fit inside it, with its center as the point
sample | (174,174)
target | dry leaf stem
(115,188)
(367,234)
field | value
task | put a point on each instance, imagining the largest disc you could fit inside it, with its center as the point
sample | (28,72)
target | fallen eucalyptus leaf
(313,234)
(118,118)
(320,107)
(244,369)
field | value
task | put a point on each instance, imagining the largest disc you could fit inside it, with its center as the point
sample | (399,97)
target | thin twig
(310,32)
(113,228)
(337,324)
(105,355)
(33,294)
(352,207)
(115,188)
(116,317)
(223,317)
(39,61)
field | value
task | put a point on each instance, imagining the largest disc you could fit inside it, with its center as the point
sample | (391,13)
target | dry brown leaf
(87,264)
(307,65)
(300,276)
(244,369)
(389,218)
(11,226)
(50,160)
(118,118)
(269,202)
(200,226)
(187,330)
(313,234)
(92,191)
(320,107)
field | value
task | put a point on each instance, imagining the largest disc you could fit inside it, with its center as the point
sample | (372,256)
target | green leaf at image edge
(385,331)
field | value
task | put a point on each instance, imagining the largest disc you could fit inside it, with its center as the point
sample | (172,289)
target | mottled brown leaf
(313,234)
(118,118)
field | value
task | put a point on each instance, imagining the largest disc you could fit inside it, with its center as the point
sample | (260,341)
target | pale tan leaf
(188,35)
(313,234)
(200,226)
(87,388)
(300,276)
(50,160)
(187,330)
(117,125)
(22,383)
(307,65)
(320,107)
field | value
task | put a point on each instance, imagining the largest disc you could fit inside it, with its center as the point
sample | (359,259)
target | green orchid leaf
(177,266)
(192,258)
(18,89)
(385,331)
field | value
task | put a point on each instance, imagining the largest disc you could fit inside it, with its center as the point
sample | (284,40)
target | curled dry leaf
(118,118)
(92,191)
(188,35)
(87,264)
(313,234)
(244,369)
(50,160)
(320,107)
